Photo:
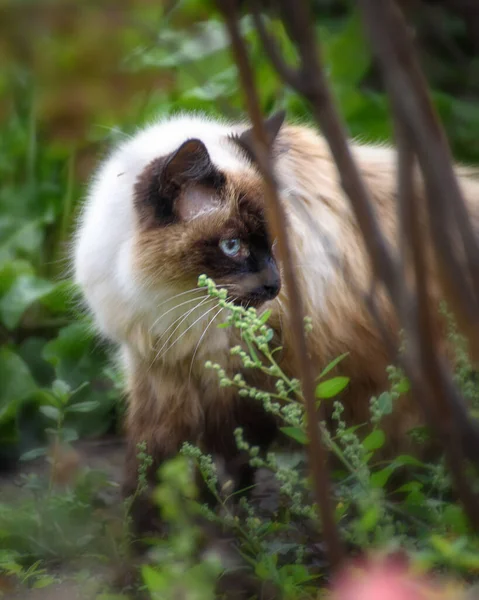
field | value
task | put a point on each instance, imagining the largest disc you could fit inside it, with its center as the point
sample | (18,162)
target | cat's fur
(151,225)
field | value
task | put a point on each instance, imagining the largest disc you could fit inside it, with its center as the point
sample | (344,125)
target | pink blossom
(389,578)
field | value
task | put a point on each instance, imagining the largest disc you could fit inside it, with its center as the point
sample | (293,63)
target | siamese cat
(181,198)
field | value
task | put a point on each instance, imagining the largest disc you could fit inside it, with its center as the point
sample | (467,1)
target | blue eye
(230,247)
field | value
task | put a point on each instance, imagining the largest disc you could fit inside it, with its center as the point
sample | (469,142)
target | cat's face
(195,219)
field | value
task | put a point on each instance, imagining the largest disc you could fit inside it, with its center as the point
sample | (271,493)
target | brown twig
(288,74)
(277,219)
(440,399)
(310,81)
(394,52)
(316,90)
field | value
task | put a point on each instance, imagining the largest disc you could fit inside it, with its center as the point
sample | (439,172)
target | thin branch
(276,217)
(440,398)
(393,49)
(298,22)
(288,74)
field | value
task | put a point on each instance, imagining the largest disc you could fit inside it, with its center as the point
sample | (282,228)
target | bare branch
(441,400)
(298,22)
(317,452)
(289,75)
(394,52)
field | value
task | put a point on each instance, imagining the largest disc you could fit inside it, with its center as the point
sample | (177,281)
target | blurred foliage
(77,77)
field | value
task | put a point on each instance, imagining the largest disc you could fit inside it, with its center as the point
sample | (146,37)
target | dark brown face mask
(192,216)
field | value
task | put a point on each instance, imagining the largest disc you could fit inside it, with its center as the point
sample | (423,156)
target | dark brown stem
(277,220)
(395,54)
(315,88)
(439,399)
(298,21)
(289,75)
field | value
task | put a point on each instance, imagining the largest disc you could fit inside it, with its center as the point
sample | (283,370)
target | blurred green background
(76,77)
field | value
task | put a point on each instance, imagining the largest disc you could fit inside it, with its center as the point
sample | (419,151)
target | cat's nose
(270,291)
(266,292)
(271,282)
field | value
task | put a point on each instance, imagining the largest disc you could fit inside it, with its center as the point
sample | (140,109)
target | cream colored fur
(138,312)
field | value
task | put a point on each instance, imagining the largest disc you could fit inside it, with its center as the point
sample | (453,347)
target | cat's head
(195,217)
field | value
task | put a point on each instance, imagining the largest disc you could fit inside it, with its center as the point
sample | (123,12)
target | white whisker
(186,331)
(174,308)
(181,318)
(200,340)
(198,289)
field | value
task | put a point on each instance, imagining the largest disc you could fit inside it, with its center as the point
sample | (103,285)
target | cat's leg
(160,418)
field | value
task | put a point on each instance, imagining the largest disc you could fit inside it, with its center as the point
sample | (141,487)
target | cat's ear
(178,186)
(272,126)
(190,162)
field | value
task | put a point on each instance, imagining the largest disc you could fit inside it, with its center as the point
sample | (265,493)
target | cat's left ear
(179,186)
(190,162)
(272,127)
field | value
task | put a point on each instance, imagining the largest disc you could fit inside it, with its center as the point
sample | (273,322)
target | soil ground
(85,579)
(77,581)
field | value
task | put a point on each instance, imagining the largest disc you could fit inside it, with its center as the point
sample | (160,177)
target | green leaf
(69,352)
(32,454)
(26,290)
(12,270)
(374,440)
(385,403)
(348,55)
(223,84)
(16,383)
(454,517)
(332,364)
(331,387)
(155,581)
(78,360)
(380,478)
(265,316)
(416,498)
(59,299)
(44,581)
(403,386)
(296,433)
(51,412)
(405,459)
(444,546)
(370,518)
(25,240)
(83,407)
(411,486)
(61,390)
(30,350)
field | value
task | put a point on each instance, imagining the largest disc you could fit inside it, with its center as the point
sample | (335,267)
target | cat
(183,197)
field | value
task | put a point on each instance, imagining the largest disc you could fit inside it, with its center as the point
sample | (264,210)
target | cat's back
(307,167)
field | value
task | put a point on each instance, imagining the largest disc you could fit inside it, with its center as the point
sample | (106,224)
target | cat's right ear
(272,127)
